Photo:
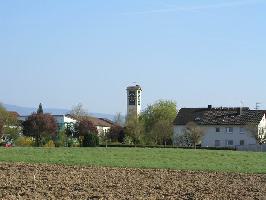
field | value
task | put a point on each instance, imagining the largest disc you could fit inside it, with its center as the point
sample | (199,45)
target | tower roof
(135,87)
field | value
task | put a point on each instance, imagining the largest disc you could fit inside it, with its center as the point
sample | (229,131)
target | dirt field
(20,181)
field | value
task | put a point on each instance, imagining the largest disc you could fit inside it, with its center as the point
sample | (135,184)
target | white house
(222,127)
(103,125)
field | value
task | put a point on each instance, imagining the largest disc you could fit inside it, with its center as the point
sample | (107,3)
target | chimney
(239,111)
(209,107)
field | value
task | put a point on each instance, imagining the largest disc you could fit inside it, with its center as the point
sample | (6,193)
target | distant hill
(54,111)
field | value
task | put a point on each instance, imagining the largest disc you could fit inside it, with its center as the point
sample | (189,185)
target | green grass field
(180,159)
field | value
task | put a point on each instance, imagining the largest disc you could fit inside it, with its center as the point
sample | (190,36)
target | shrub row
(168,146)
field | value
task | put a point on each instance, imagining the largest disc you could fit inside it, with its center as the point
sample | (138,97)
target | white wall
(262,127)
(210,135)
(60,119)
(102,130)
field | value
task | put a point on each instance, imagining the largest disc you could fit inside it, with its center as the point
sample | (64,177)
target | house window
(217,143)
(218,130)
(242,130)
(242,142)
(229,130)
(229,142)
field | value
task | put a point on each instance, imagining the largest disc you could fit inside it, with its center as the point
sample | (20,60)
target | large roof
(13,113)
(99,122)
(219,116)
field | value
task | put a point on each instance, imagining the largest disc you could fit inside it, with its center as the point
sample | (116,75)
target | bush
(61,139)
(128,140)
(73,142)
(90,140)
(23,141)
(50,143)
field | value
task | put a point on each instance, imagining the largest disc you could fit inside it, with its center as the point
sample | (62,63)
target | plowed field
(42,181)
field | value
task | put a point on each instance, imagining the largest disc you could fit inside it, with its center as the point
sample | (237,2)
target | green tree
(134,129)
(61,139)
(3,115)
(90,140)
(9,124)
(158,119)
(104,138)
(162,132)
(40,110)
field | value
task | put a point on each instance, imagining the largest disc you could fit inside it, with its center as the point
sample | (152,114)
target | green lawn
(180,159)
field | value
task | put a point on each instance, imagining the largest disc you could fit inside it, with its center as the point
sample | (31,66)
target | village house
(222,127)
(103,125)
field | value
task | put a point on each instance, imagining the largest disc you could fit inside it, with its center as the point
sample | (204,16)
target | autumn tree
(40,126)
(158,119)
(116,134)
(194,133)
(84,128)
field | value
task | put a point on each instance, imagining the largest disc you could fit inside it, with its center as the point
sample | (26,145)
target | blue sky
(194,52)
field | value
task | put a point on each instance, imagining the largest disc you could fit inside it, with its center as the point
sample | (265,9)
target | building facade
(222,127)
(103,125)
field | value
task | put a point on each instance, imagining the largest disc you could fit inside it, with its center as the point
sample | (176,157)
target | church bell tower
(134,100)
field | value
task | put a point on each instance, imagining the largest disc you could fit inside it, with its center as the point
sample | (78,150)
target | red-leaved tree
(39,125)
(116,134)
(83,127)
(85,131)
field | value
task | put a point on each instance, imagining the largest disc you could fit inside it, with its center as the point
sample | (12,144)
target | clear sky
(195,52)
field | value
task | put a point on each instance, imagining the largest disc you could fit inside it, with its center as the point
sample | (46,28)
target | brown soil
(26,181)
